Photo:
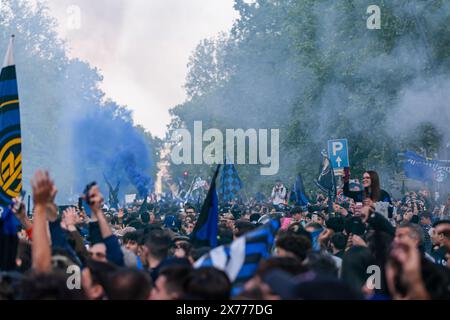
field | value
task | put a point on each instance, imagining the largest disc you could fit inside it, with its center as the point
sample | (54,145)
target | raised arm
(113,251)
(43,188)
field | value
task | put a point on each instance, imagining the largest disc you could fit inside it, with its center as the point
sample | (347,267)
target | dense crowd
(364,245)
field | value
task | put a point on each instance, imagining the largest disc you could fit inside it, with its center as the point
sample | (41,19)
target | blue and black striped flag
(240,259)
(10,137)
(10,160)
(230,183)
(207,227)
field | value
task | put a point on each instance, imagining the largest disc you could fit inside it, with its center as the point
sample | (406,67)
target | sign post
(338,154)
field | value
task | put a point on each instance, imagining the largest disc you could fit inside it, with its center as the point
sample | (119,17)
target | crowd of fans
(367,246)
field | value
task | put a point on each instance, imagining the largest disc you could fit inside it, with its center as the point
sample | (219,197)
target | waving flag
(207,226)
(419,168)
(240,259)
(300,196)
(10,137)
(10,159)
(230,183)
(326,180)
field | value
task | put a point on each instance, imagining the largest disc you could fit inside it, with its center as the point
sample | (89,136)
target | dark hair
(426,215)
(296,244)
(298,229)
(145,217)
(354,266)
(322,264)
(254,217)
(129,284)
(207,283)
(243,227)
(337,224)
(289,264)
(355,225)
(24,254)
(225,235)
(339,240)
(375,189)
(158,243)
(295,210)
(175,278)
(100,271)
(130,236)
(437,223)
(48,286)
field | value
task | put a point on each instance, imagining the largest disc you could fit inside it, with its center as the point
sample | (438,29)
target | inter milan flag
(419,168)
(230,183)
(240,259)
(10,138)
(207,226)
(10,160)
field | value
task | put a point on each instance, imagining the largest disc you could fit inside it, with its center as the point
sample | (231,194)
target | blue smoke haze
(107,143)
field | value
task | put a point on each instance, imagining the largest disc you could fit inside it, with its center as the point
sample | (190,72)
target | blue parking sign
(338,153)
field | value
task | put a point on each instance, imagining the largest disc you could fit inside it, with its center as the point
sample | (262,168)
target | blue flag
(207,226)
(10,160)
(10,137)
(230,183)
(419,168)
(300,196)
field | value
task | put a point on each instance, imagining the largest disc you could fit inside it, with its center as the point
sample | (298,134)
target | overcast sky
(142,47)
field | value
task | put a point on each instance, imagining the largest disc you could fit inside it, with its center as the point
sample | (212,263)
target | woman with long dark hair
(371,185)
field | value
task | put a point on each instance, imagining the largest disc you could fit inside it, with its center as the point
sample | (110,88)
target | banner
(419,168)
(10,136)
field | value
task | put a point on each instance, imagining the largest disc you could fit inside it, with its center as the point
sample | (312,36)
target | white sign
(129,198)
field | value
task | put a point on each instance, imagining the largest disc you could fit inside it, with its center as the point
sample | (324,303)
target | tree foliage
(312,69)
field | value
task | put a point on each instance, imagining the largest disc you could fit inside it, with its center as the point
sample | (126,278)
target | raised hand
(70,218)
(444,229)
(358,241)
(20,213)
(44,189)
(405,263)
(366,211)
(95,199)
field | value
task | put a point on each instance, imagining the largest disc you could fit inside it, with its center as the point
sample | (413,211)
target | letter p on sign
(337,146)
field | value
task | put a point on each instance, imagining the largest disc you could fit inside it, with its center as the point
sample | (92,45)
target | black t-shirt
(439,256)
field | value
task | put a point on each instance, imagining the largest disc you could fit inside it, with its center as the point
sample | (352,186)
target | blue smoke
(107,143)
